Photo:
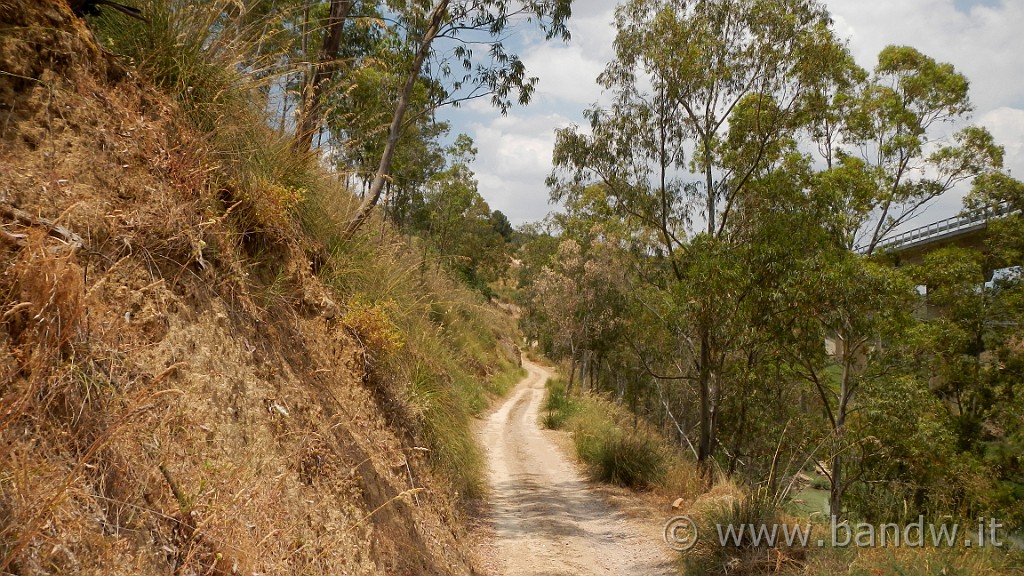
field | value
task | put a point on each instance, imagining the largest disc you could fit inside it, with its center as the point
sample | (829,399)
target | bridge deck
(944,230)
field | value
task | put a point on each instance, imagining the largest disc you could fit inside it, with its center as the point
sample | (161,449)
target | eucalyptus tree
(974,363)
(716,59)
(452,198)
(889,146)
(889,151)
(456,220)
(731,82)
(633,151)
(577,299)
(358,130)
(555,303)
(321,70)
(1005,244)
(940,433)
(439,39)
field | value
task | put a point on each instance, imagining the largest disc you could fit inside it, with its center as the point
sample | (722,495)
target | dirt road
(546,521)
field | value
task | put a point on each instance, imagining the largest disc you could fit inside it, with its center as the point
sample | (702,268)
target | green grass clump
(738,509)
(444,416)
(727,504)
(623,458)
(615,446)
(618,448)
(614,450)
(501,383)
(559,407)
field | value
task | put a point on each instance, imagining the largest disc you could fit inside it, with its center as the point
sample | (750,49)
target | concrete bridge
(967,230)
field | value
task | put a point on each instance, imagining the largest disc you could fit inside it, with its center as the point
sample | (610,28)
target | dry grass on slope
(179,393)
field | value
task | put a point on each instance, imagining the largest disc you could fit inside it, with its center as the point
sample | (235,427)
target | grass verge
(616,447)
(501,383)
(618,450)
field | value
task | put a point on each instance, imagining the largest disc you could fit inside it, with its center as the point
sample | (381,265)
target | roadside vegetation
(412,285)
(617,448)
(208,287)
(242,230)
(720,275)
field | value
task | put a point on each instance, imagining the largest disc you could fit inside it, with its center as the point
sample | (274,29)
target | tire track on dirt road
(546,520)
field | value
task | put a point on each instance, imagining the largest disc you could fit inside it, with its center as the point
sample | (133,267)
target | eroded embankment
(177,391)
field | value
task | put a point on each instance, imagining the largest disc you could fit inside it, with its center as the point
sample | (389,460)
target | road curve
(546,520)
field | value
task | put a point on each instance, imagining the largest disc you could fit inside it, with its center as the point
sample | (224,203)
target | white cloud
(565,73)
(983,43)
(594,30)
(1007,127)
(512,165)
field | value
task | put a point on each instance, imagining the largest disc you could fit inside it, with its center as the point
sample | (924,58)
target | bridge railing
(944,227)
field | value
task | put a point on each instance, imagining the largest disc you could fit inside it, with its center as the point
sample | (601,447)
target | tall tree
(502,76)
(321,72)
(890,147)
(717,58)
(887,157)
(731,79)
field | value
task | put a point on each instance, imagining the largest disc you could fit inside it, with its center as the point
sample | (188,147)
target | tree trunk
(709,182)
(705,447)
(583,372)
(321,76)
(835,502)
(437,16)
(706,438)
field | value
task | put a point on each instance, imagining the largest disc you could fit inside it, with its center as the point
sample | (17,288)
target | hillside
(187,387)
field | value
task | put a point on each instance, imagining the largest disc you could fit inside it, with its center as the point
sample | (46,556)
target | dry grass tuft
(50,289)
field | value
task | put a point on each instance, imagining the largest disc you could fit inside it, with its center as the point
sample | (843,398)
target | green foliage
(443,412)
(501,383)
(1005,244)
(724,284)
(969,354)
(359,116)
(559,407)
(908,458)
(614,446)
(449,339)
(894,115)
(615,451)
(459,224)
(624,459)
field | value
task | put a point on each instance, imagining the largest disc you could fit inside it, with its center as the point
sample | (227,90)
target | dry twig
(52,228)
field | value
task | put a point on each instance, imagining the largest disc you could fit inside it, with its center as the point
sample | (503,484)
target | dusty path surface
(546,520)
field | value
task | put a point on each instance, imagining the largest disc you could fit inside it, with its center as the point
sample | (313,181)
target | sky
(983,39)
